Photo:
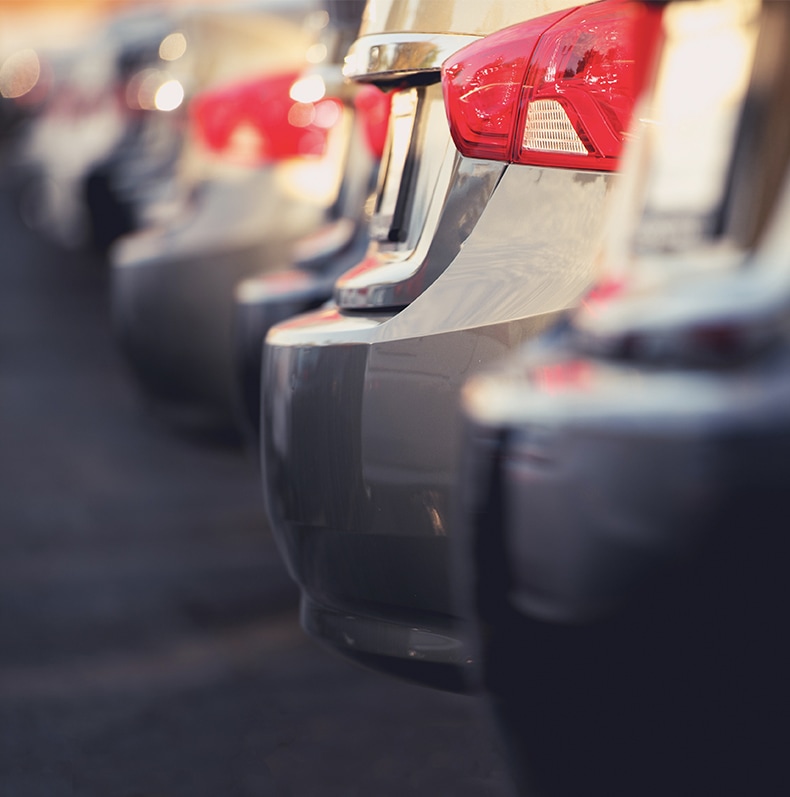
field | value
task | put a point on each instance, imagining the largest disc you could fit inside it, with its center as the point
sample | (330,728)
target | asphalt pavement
(149,642)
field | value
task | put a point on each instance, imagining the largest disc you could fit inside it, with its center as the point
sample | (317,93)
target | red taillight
(482,86)
(602,293)
(563,376)
(373,107)
(258,122)
(558,90)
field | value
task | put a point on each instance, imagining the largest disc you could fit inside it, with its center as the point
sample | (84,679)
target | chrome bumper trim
(381,57)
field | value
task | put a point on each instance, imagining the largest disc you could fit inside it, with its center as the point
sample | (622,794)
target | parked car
(25,81)
(318,259)
(262,166)
(88,120)
(624,476)
(483,232)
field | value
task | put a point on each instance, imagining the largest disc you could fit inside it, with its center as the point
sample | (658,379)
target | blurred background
(150,638)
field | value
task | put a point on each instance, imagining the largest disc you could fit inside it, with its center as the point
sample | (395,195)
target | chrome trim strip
(383,55)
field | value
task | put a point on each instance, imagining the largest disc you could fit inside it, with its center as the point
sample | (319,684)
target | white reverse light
(169,96)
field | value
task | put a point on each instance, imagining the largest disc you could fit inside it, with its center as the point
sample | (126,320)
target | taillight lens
(373,108)
(558,90)
(259,122)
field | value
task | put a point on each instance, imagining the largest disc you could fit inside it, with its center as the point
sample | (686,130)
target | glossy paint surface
(459,16)
(624,486)
(449,195)
(173,285)
(644,456)
(172,288)
(266,299)
(626,558)
(360,407)
(360,412)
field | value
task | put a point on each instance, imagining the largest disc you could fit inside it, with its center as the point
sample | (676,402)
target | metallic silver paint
(360,409)
(615,475)
(172,288)
(360,414)
(459,16)
(394,276)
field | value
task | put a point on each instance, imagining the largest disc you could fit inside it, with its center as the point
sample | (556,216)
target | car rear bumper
(363,536)
(263,300)
(621,475)
(627,560)
(172,290)
(360,425)
(172,317)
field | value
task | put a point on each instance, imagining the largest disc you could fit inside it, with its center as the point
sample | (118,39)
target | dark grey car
(625,479)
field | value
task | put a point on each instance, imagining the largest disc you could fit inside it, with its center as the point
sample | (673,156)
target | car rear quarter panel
(454,16)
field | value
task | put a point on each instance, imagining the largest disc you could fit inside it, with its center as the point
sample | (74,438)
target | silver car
(625,480)
(88,123)
(262,166)
(306,282)
(483,232)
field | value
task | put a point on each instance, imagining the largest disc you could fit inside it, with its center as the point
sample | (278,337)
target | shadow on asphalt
(150,645)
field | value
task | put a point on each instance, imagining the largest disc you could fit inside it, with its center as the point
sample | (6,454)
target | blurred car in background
(89,116)
(263,165)
(319,258)
(25,81)
(483,232)
(624,479)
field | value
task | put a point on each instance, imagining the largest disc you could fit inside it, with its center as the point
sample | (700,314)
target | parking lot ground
(149,645)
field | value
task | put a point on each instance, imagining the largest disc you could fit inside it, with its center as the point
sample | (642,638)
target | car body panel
(360,414)
(172,289)
(622,519)
(267,298)
(626,566)
(306,281)
(596,441)
(173,283)
(398,16)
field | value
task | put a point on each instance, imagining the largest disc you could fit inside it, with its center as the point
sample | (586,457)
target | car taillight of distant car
(558,90)
(373,106)
(266,120)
